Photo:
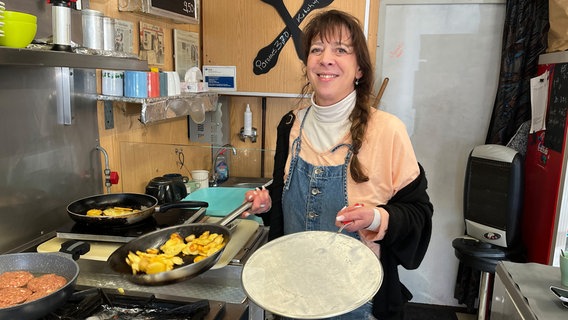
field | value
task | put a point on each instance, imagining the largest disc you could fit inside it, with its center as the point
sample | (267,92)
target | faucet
(221,149)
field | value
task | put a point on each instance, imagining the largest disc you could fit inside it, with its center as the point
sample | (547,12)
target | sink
(244,182)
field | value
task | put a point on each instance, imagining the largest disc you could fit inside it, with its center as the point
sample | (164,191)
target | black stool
(484,257)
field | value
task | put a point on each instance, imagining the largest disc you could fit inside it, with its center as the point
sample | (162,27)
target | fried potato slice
(112,211)
(174,245)
(94,212)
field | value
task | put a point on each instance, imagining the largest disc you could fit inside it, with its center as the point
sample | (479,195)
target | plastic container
(221,167)
(201,177)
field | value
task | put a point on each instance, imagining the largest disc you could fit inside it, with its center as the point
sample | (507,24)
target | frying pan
(312,275)
(157,238)
(147,205)
(40,263)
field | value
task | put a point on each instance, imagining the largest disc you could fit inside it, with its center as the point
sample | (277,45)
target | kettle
(167,189)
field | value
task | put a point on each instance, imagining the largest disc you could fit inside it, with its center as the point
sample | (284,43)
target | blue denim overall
(312,197)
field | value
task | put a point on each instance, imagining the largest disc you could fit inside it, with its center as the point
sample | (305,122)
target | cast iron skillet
(145,203)
(58,263)
(157,238)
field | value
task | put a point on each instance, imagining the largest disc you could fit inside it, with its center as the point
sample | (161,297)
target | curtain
(524,39)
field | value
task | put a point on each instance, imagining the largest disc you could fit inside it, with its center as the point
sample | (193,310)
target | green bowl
(19,16)
(18,34)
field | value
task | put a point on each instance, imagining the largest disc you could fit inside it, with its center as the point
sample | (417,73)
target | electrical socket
(178,150)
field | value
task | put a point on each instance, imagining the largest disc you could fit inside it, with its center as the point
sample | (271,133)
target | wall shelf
(152,109)
(164,108)
(49,58)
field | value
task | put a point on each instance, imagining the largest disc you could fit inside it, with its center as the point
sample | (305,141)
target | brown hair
(325,25)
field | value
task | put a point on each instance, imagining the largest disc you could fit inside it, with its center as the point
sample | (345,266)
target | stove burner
(97,304)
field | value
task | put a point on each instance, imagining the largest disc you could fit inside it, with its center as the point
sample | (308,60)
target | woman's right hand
(261,201)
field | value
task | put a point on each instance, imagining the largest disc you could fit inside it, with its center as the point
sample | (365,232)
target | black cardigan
(405,243)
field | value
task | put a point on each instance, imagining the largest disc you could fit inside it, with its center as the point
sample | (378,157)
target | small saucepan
(146,205)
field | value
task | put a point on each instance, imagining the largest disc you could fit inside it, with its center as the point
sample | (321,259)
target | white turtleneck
(325,126)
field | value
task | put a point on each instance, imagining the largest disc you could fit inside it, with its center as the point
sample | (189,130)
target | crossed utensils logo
(268,56)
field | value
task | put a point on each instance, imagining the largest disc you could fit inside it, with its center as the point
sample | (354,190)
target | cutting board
(222,200)
(100,251)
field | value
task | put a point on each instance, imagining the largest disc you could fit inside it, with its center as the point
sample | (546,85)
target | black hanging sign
(268,56)
(179,10)
(557,108)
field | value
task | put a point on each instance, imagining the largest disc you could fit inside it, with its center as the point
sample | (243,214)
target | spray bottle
(248,122)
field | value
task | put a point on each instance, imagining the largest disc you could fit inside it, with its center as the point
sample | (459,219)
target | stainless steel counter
(219,286)
(222,286)
(521,291)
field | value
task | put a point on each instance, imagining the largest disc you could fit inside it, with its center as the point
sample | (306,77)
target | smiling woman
(339,159)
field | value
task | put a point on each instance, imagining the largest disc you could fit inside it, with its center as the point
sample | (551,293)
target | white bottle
(248,122)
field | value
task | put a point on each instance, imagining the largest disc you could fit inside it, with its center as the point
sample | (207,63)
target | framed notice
(186,51)
(151,43)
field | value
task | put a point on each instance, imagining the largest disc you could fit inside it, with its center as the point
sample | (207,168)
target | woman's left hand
(356,216)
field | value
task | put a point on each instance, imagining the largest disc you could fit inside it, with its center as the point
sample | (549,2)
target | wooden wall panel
(231,32)
(234,32)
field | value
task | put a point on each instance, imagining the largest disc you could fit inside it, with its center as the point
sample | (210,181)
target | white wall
(442,59)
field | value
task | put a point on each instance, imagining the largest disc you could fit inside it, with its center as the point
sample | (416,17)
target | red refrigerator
(545,210)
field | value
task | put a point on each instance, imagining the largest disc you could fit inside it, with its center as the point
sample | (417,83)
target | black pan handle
(75,248)
(182,205)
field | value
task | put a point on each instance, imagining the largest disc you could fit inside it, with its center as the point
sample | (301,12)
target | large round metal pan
(38,264)
(147,205)
(157,238)
(312,275)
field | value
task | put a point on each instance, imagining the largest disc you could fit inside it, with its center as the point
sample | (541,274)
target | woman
(359,160)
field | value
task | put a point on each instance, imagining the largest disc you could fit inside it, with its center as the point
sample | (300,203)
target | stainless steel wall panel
(44,165)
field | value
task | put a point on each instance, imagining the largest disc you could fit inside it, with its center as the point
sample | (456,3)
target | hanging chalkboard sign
(557,108)
(184,11)
(181,10)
